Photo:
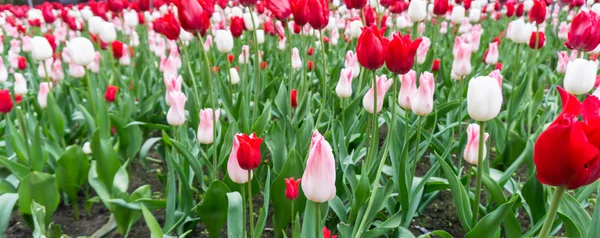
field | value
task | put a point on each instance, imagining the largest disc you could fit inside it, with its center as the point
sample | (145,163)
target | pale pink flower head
(43,67)
(3,71)
(43,94)
(176,113)
(423,49)
(94,66)
(563,30)
(205,129)
(407,88)
(458,41)
(444,27)
(15,46)
(26,44)
(383,84)
(491,58)
(352,63)
(471,153)
(498,76)
(475,37)
(461,66)
(168,66)
(76,71)
(126,58)
(208,42)
(296,60)
(235,172)
(60,33)
(66,55)
(173,84)
(421,102)
(318,180)
(57,73)
(244,57)
(563,61)
(344,86)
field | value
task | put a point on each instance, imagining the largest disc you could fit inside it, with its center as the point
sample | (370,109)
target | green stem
(191,72)
(479,173)
(324,82)
(558,193)
(90,92)
(373,144)
(250,210)
(214,109)
(293,216)
(256,65)
(414,165)
(318,227)
(512,93)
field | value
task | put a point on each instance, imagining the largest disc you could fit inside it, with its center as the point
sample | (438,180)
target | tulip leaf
(570,208)
(282,102)
(56,117)
(262,217)
(151,222)
(41,188)
(282,206)
(459,195)
(8,201)
(235,210)
(275,141)
(533,193)
(213,208)
(261,123)
(594,227)
(107,161)
(71,172)
(19,170)
(489,225)
(385,227)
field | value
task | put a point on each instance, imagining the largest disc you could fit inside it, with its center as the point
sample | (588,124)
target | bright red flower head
(499,66)
(370,16)
(116,5)
(300,11)
(355,4)
(52,40)
(247,3)
(294,98)
(436,65)
(537,13)
(400,54)
(193,17)
(117,49)
(237,26)
(111,93)
(319,13)
(584,33)
(248,154)
(440,7)
(22,62)
(230,58)
(370,49)
(168,26)
(311,65)
(6,103)
(541,40)
(281,9)
(48,14)
(291,188)
(327,233)
(567,153)
(510,9)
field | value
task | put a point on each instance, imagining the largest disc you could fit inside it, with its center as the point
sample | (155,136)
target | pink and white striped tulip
(235,172)
(471,152)
(383,84)
(205,129)
(421,102)
(318,180)
(407,88)
(344,86)
(176,114)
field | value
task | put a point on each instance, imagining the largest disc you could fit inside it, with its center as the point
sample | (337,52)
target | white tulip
(95,24)
(474,15)
(260,36)
(84,48)
(248,21)
(224,41)
(580,76)
(234,76)
(108,34)
(355,29)
(20,85)
(519,31)
(458,14)
(41,49)
(417,10)
(131,18)
(484,98)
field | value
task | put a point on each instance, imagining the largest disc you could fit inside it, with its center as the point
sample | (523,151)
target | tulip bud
(537,37)
(131,18)
(461,66)
(224,41)
(417,10)
(471,152)
(248,154)
(176,113)
(474,15)
(87,148)
(352,62)
(41,48)
(355,28)
(344,86)
(484,98)
(260,36)
(291,188)
(383,85)
(407,88)
(296,61)
(491,55)
(421,101)
(6,103)
(205,129)
(580,76)
(84,48)
(43,95)
(294,98)
(318,180)
(458,14)
(436,65)
(20,85)
(111,93)
(370,48)
(107,32)
(234,76)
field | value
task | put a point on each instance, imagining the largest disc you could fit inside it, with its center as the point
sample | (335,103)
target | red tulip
(300,11)
(18,98)
(319,13)
(567,154)
(467,4)
(310,65)
(48,14)
(52,40)
(117,49)
(577,3)
(370,49)
(400,54)
(541,40)
(141,18)
(247,3)
(193,17)
(327,233)
(35,22)
(311,51)
(6,103)
(510,9)
(168,26)
(111,93)
(237,26)
(440,7)
(356,4)
(248,154)
(520,9)
(116,5)
(584,33)
(370,16)
(291,188)
(294,98)
(537,13)
(436,65)
(230,58)
(499,66)
(281,9)
(22,63)
(263,65)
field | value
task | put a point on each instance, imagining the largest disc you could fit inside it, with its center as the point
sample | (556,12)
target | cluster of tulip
(297,119)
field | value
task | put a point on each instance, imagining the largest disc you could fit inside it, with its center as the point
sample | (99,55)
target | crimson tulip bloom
(168,26)
(567,153)
(541,40)
(116,5)
(247,3)
(291,188)
(111,93)
(440,7)
(356,4)
(6,103)
(300,11)
(520,9)
(436,65)
(370,49)
(400,54)
(281,9)
(584,33)
(294,98)
(248,154)
(51,40)
(370,16)
(117,49)
(537,13)
(319,13)
(193,17)
(510,9)
(48,14)
(22,63)
(237,26)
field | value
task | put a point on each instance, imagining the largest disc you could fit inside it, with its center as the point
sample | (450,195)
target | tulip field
(300,118)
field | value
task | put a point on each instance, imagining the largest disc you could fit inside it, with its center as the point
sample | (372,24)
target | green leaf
(594,227)
(385,227)
(187,155)
(71,172)
(130,137)
(151,222)
(41,188)
(533,193)
(56,117)
(19,170)
(38,158)
(107,161)
(489,225)
(235,210)
(261,123)
(39,220)
(120,181)
(213,208)
(262,217)
(282,207)
(361,194)
(459,195)
(8,201)
(569,207)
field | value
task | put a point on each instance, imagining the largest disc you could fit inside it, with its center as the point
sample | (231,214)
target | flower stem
(318,220)
(256,65)
(414,166)
(214,109)
(479,172)
(250,210)
(324,83)
(558,193)
(373,144)
(512,92)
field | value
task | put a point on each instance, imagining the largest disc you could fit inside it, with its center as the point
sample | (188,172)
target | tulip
(235,172)
(370,49)
(461,66)
(6,103)
(126,57)
(224,41)
(176,113)
(474,15)
(94,66)
(519,31)
(355,4)
(84,48)
(563,61)
(491,55)
(352,62)
(173,84)
(281,9)
(344,86)
(244,57)
(107,32)
(383,85)
(95,25)
(407,89)
(3,71)
(131,19)
(484,98)
(294,98)
(436,65)
(41,49)
(458,14)
(291,188)
(117,49)
(43,94)
(584,33)
(248,18)
(580,76)
(422,50)
(417,10)
(260,36)
(168,26)
(471,152)
(540,38)
(193,17)
(76,71)
(234,76)
(310,65)
(537,13)
(319,13)
(44,67)
(327,233)
(206,127)
(318,180)
(421,101)
(355,28)
(57,73)
(111,93)
(497,76)
(296,61)
(236,26)
(440,7)
(300,11)
(20,85)
(248,154)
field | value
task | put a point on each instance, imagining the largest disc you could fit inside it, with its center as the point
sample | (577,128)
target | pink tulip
(444,28)
(458,41)
(173,84)
(318,181)
(13,59)
(563,30)
(408,87)
(352,63)
(235,172)
(563,61)
(94,66)
(43,94)
(161,47)
(60,33)
(57,73)
(26,45)
(475,37)
(334,37)
(491,58)
(126,58)
(176,114)
(296,61)
(208,42)
(421,101)
(383,85)
(344,86)
(76,71)
(66,55)
(471,152)
(205,129)
(498,76)
(422,50)
(244,57)
(44,67)
(461,66)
